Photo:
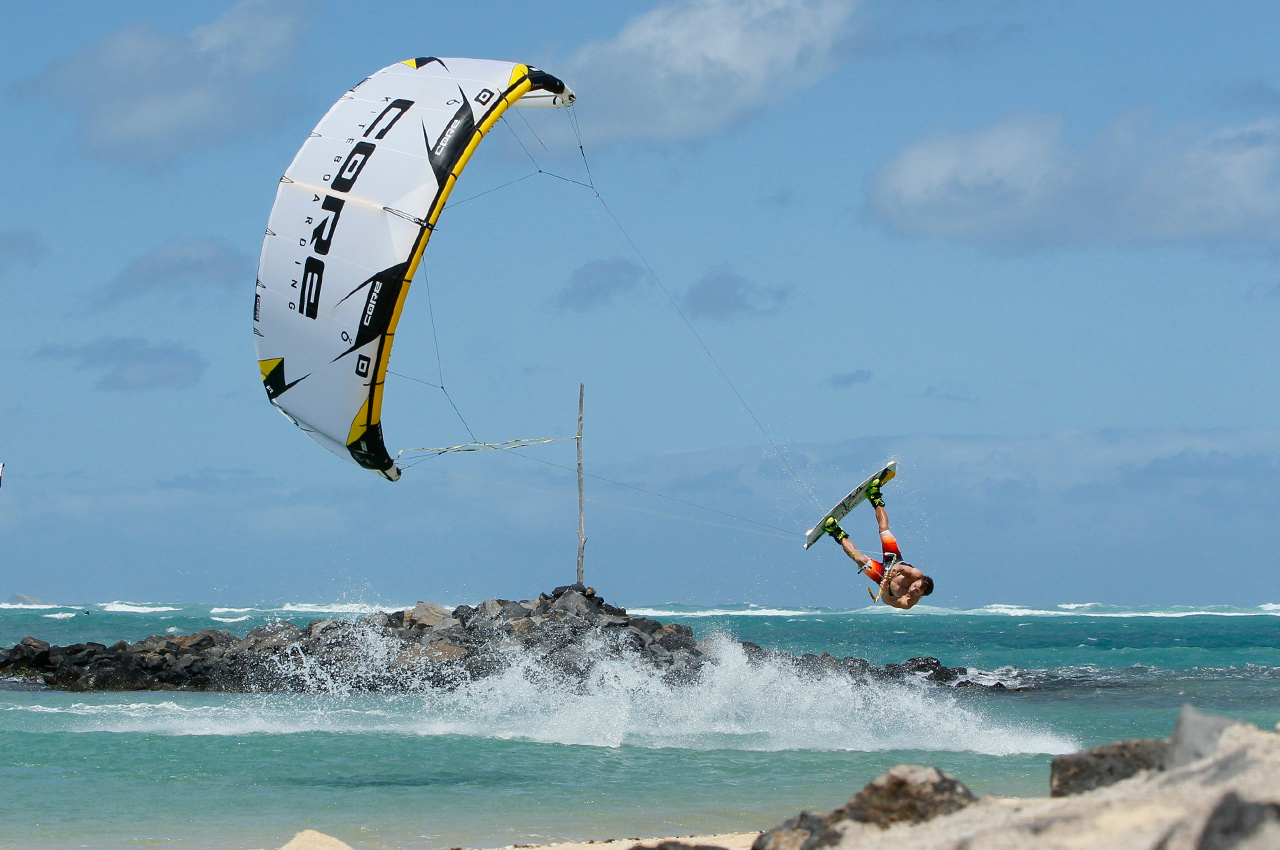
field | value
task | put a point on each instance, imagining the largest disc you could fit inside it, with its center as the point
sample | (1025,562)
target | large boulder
(1239,824)
(801,832)
(1099,767)
(1195,736)
(427,614)
(908,793)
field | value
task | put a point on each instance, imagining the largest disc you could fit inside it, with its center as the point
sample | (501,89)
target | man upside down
(901,585)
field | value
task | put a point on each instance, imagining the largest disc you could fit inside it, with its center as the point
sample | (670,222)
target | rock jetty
(563,634)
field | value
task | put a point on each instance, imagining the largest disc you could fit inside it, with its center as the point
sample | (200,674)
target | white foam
(133,608)
(60,616)
(1129,613)
(337,608)
(230,610)
(230,619)
(727,612)
(18,606)
(735,706)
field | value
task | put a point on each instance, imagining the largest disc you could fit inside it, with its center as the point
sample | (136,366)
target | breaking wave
(736,704)
(134,608)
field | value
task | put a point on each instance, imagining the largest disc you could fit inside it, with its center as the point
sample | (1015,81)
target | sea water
(507,760)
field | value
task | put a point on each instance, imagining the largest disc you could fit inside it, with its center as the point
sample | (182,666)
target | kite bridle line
(777,533)
(479,447)
(804,488)
(512,445)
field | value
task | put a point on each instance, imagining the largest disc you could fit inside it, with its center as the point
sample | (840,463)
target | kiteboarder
(901,585)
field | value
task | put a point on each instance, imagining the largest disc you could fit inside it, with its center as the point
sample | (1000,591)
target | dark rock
(513,611)
(1235,821)
(644,624)
(573,603)
(31,651)
(272,635)
(855,666)
(922,664)
(891,671)
(1195,736)
(801,832)
(1099,767)
(426,614)
(675,636)
(906,794)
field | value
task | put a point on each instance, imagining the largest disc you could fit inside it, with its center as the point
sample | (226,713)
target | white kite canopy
(352,216)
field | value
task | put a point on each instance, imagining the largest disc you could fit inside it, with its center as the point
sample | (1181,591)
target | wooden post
(582,535)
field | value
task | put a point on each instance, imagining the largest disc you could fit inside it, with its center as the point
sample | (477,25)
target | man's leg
(888,543)
(838,534)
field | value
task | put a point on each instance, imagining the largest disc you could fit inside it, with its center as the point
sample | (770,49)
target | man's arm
(903,602)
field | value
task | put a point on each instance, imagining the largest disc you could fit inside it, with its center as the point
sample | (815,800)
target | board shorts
(875,569)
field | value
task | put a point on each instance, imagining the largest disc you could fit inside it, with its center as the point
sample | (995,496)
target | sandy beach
(312,840)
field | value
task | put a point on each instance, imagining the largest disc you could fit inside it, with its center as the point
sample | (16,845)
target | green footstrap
(830,526)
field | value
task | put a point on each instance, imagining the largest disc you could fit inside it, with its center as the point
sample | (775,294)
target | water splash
(736,704)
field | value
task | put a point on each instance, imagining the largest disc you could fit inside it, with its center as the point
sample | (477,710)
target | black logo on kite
(399,107)
(379,305)
(275,384)
(350,170)
(446,151)
(312,277)
(323,234)
(362,366)
(484,97)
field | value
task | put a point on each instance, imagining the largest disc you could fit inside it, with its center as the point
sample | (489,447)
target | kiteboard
(849,502)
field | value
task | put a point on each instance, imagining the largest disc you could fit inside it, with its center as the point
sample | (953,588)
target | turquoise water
(506,761)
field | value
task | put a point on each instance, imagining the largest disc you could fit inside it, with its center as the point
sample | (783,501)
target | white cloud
(598,282)
(181,264)
(842,380)
(721,295)
(1020,184)
(146,97)
(132,363)
(690,68)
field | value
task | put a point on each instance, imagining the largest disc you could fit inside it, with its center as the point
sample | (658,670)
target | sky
(1031,251)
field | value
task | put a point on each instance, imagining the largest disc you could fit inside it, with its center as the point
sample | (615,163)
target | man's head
(922,586)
